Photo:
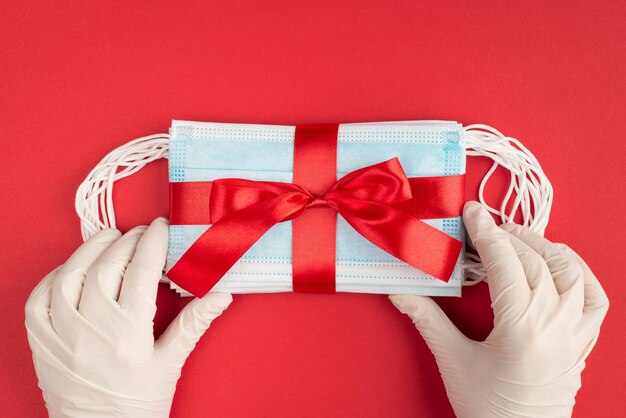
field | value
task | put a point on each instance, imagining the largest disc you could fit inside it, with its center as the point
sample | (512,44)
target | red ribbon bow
(377,201)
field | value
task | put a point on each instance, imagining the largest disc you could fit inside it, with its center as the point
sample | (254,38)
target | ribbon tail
(404,236)
(211,256)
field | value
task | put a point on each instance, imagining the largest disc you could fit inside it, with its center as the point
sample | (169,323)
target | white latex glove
(89,325)
(548,309)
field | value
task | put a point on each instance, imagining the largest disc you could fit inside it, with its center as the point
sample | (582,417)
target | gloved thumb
(443,338)
(181,336)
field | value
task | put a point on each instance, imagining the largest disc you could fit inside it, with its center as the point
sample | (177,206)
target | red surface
(79,78)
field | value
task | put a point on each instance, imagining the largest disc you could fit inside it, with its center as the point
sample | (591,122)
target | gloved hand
(89,325)
(548,309)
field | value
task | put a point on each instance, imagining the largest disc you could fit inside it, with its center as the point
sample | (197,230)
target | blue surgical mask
(200,151)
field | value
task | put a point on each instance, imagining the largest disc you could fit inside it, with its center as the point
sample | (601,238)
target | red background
(80,78)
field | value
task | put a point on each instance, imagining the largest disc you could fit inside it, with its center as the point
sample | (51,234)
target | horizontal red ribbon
(378,201)
(432,197)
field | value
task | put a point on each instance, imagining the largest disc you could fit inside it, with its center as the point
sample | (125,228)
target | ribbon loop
(385,182)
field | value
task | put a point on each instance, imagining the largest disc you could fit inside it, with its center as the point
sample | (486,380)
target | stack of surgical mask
(200,151)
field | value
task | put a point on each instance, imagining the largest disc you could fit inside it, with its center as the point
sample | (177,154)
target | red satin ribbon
(378,201)
(433,197)
(314,230)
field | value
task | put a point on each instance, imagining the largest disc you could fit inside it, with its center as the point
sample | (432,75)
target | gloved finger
(509,290)
(181,336)
(104,277)
(537,272)
(566,273)
(68,283)
(37,309)
(443,338)
(596,301)
(140,283)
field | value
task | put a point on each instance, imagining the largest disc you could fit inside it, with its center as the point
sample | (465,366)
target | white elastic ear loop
(94,197)
(532,188)
(533,191)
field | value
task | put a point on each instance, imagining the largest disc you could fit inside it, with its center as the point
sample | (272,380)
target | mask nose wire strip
(529,194)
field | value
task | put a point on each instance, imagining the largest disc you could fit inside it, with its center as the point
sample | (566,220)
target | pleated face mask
(363,207)
(204,152)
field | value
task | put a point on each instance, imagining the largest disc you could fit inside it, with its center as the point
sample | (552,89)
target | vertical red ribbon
(314,230)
